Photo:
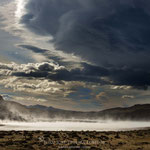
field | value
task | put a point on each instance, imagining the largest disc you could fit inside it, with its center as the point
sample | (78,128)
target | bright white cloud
(128,97)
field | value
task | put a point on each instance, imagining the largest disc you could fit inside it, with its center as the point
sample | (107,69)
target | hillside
(14,111)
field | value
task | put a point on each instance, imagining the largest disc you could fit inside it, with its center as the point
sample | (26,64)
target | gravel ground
(82,140)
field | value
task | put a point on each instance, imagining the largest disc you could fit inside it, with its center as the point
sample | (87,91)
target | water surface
(74,126)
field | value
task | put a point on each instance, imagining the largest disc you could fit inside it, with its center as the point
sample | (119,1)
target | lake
(73,125)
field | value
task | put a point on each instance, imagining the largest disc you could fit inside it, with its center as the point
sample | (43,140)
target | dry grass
(42,140)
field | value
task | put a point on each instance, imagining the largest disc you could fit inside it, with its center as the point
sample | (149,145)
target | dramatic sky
(75,54)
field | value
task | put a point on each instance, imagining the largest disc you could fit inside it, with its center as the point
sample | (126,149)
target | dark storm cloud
(115,35)
(46,70)
(33,48)
(137,78)
(88,73)
(54,72)
(45,52)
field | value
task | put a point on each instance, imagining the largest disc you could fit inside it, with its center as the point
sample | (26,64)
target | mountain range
(15,111)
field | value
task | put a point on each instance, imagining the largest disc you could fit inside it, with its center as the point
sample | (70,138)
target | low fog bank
(13,111)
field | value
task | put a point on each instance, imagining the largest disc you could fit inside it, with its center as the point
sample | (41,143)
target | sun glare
(20,8)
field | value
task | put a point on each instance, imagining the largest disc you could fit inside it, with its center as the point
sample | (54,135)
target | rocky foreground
(42,140)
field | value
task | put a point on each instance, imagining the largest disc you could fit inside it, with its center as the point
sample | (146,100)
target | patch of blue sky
(81,93)
(10,51)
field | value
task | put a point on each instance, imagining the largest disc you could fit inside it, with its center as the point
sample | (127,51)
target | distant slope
(15,111)
(8,110)
(136,112)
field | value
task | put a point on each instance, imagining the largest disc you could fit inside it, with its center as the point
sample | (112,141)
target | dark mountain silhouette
(14,111)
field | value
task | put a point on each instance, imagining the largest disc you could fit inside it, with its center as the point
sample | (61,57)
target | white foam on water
(74,126)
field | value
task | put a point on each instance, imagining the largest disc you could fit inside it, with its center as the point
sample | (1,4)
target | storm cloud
(113,35)
(55,72)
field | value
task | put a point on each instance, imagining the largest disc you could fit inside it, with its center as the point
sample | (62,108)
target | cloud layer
(113,35)
(86,54)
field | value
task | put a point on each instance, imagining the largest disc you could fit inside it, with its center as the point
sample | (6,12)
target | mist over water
(19,117)
(97,125)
